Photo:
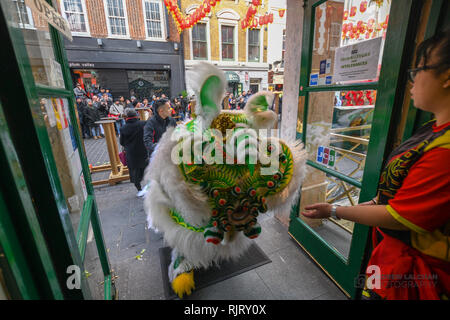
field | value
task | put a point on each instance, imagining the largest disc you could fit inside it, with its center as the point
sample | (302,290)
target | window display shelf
(354,107)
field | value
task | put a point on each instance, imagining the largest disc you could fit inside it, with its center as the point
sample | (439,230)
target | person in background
(132,139)
(241,104)
(91,115)
(157,125)
(79,92)
(116,112)
(81,106)
(108,93)
(101,92)
(411,214)
(101,112)
(128,104)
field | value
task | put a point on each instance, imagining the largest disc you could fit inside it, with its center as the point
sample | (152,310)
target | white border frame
(111,36)
(261,45)
(163,22)
(83,6)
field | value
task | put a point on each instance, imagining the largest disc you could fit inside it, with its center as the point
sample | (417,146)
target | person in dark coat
(132,139)
(91,115)
(81,107)
(157,125)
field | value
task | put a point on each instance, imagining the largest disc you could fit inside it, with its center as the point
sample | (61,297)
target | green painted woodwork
(401,30)
(45,227)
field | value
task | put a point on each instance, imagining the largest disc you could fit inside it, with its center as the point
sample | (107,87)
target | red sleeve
(423,200)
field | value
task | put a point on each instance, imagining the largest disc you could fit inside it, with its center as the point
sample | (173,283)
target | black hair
(159,103)
(440,43)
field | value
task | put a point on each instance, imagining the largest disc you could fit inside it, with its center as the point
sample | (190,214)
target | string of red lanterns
(184,22)
(250,21)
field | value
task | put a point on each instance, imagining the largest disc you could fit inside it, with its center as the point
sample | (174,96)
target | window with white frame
(75,13)
(25,19)
(116,16)
(199,42)
(254,45)
(154,21)
(227,33)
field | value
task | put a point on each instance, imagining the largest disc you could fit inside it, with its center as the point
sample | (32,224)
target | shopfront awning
(232,76)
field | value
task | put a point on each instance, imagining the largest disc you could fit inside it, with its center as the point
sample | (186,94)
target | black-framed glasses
(413,72)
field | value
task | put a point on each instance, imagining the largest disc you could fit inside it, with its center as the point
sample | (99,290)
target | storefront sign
(313,79)
(357,61)
(46,12)
(326,156)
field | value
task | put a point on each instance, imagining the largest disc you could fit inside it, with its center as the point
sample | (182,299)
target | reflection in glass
(341,23)
(55,113)
(46,70)
(92,267)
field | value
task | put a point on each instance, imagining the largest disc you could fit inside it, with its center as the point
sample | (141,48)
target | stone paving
(134,256)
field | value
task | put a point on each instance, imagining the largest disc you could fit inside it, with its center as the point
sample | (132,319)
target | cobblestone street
(134,252)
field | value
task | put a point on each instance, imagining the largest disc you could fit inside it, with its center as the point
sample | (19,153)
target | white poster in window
(358,61)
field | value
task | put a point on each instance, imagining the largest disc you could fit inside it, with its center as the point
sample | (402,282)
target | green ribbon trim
(176,217)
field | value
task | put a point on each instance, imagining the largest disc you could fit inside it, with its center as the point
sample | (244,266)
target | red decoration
(281,12)
(345,15)
(271,17)
(353,11)
(363,6)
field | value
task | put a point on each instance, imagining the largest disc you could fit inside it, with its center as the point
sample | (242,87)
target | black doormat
(254,257)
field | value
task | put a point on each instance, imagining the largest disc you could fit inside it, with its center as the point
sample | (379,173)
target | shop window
(199,42)
(227,33)
(75,13)
(116,18)
(154,21)
(254,45)
(24,16)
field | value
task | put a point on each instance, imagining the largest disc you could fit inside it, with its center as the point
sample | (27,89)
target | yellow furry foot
(184,284)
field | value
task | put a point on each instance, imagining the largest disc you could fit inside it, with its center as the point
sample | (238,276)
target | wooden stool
(119,172)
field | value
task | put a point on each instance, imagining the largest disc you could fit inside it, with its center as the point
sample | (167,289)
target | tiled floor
(291,274)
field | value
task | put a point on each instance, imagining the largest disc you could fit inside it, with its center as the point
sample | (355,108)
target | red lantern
(353,11)
(212,2)
(208,8)
(345,15)
(271,17)
(281,12)
(202,14)
(166,3)
(261,22)
(363,6)
(256,2)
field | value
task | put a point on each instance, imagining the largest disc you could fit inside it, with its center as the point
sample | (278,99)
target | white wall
(275,31)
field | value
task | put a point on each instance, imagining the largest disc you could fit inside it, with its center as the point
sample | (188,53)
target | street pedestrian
(157,125)
(91,115)
(132,139)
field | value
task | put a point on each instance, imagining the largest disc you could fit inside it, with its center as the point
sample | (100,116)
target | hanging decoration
(185,22)
(250,21)
(281,12)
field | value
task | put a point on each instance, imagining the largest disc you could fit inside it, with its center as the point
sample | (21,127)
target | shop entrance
(351,66)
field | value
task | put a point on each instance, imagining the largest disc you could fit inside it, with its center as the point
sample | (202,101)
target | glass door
(351,56)
(41,118)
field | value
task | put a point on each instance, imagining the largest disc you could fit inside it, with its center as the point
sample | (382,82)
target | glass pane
(145,84)
(46,70)
(55,114)
(92,267)
(348,41)
(338,130)
(321,187)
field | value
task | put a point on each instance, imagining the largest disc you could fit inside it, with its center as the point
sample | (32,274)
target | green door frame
(44,210)
(390,87)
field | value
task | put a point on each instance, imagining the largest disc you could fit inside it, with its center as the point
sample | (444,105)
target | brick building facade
(219,39)
(129,46)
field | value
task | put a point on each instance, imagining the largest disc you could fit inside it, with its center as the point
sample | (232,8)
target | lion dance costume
(207,210)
